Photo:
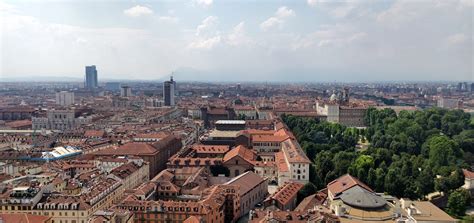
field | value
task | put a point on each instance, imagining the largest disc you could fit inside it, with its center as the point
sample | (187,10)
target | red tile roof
(19,123)
(192,219)
(468,174)
(284,132)
(131,148)
(156,135)
(246,182)
(268,138)
(287,192)
(23,218)
(241,151)
(293,152)
(344,183)
(310,201)
(210,149)
(258,132)
(94,133)
(280,162)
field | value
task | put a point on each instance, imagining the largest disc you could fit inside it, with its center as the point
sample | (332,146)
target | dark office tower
(168,92)
(91,77)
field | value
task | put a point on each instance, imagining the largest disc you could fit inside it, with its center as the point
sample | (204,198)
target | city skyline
(278,41)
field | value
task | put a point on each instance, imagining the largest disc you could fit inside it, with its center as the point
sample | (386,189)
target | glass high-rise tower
(168,92)
(91,77)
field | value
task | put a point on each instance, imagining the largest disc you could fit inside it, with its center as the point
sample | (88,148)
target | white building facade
(64,98)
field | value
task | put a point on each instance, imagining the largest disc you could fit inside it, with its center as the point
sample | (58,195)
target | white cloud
(169,19)
(206,25)
(312,3)
(209,40)
(207,36)
(204,3)
(109,48)
(205,44)
(278,19)
(330,36)
(468,3)
(399,12)
(345,46)
(4,7)
(81,40)
(238,36)
(342,11)
(137,11)
(457,38)
(284,12)
(270,23)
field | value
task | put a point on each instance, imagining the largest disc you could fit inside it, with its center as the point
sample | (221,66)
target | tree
(342,161)
(451,182)
(241,117)
(465,140)
(238,101)
(379,180)
(457,203)
(308,189)
(314,178)
(424,183)
(405,154)
(360,167)
(434,122)
(468,219)
(393,183)
(318,137)
(371,178)
(442,151)
(324,165)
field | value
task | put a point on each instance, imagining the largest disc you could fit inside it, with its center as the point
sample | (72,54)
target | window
(237,172)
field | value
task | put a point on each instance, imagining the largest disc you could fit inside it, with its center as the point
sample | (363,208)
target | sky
(245,40)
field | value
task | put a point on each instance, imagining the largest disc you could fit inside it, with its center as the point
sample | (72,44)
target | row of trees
(406,154)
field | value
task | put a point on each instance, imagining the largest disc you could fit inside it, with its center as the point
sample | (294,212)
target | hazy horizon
(255,41)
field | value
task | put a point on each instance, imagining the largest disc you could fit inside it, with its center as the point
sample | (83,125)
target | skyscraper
(168,92)
(91,77)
